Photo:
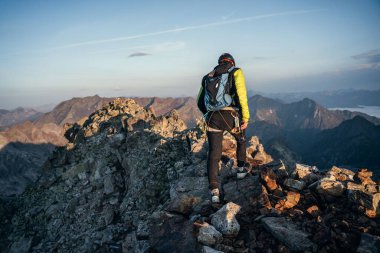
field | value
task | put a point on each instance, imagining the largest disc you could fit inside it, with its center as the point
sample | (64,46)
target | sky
(55,50)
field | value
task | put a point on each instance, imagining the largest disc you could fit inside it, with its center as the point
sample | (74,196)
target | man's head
(226,57)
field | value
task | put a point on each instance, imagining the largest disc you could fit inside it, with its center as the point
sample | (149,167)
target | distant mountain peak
(309,103)
(357,122)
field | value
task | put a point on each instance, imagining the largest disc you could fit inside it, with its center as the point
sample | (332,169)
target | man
(222,99)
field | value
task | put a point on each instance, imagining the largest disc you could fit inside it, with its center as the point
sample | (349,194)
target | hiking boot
(241,172)
(215,196)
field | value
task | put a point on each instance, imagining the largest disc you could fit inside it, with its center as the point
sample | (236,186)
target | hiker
(223,101)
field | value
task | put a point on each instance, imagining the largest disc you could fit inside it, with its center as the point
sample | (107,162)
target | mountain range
(333,99)
(290,131)
(295,132)
(303,114)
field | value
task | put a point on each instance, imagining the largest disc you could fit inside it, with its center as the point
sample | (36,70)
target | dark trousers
(224,122)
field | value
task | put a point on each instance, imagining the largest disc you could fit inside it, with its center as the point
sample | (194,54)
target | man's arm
(241,91)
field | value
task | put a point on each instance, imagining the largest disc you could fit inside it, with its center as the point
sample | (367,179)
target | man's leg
(241,154)
(241,148)
(214,155)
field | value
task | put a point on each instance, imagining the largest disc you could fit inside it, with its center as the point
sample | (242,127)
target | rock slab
(288,233)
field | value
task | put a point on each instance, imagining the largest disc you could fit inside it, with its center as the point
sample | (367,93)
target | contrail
(187,28)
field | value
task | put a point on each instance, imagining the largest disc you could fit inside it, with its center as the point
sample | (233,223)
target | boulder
(187,193)
(288,233)
(327,186)
(224,219)
(208,235)
(248,193)
(305,173)
(292,199)
(341,174)
(294,184)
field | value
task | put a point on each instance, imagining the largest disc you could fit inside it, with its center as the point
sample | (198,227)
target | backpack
(217,91)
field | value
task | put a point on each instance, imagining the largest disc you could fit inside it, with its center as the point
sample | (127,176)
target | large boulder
(288,233)
(187,193)
(224,219)
(329,186)
(247,193)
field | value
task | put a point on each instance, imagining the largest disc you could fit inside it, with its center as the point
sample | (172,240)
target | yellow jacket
(239,95)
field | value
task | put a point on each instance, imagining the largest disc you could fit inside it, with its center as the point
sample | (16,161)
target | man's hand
(244,125)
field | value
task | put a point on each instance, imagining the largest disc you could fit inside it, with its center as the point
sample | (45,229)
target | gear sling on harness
(235,128)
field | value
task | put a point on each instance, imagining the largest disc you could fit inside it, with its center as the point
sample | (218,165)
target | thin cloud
(372,56)
(188,28)
(138,54)
(160,47)
(371,59)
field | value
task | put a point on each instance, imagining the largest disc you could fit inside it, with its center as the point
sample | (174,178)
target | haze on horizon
(55,50)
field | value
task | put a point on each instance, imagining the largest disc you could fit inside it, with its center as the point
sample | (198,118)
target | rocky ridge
(24,147)
(129,181)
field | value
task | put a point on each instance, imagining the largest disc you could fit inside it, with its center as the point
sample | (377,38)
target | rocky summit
(131,181)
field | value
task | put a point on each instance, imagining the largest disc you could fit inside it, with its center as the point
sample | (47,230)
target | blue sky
(55,50)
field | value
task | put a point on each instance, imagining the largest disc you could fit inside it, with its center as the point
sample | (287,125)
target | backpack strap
(231,72)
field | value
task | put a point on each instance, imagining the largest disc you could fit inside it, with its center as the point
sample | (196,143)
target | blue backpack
(217,91)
